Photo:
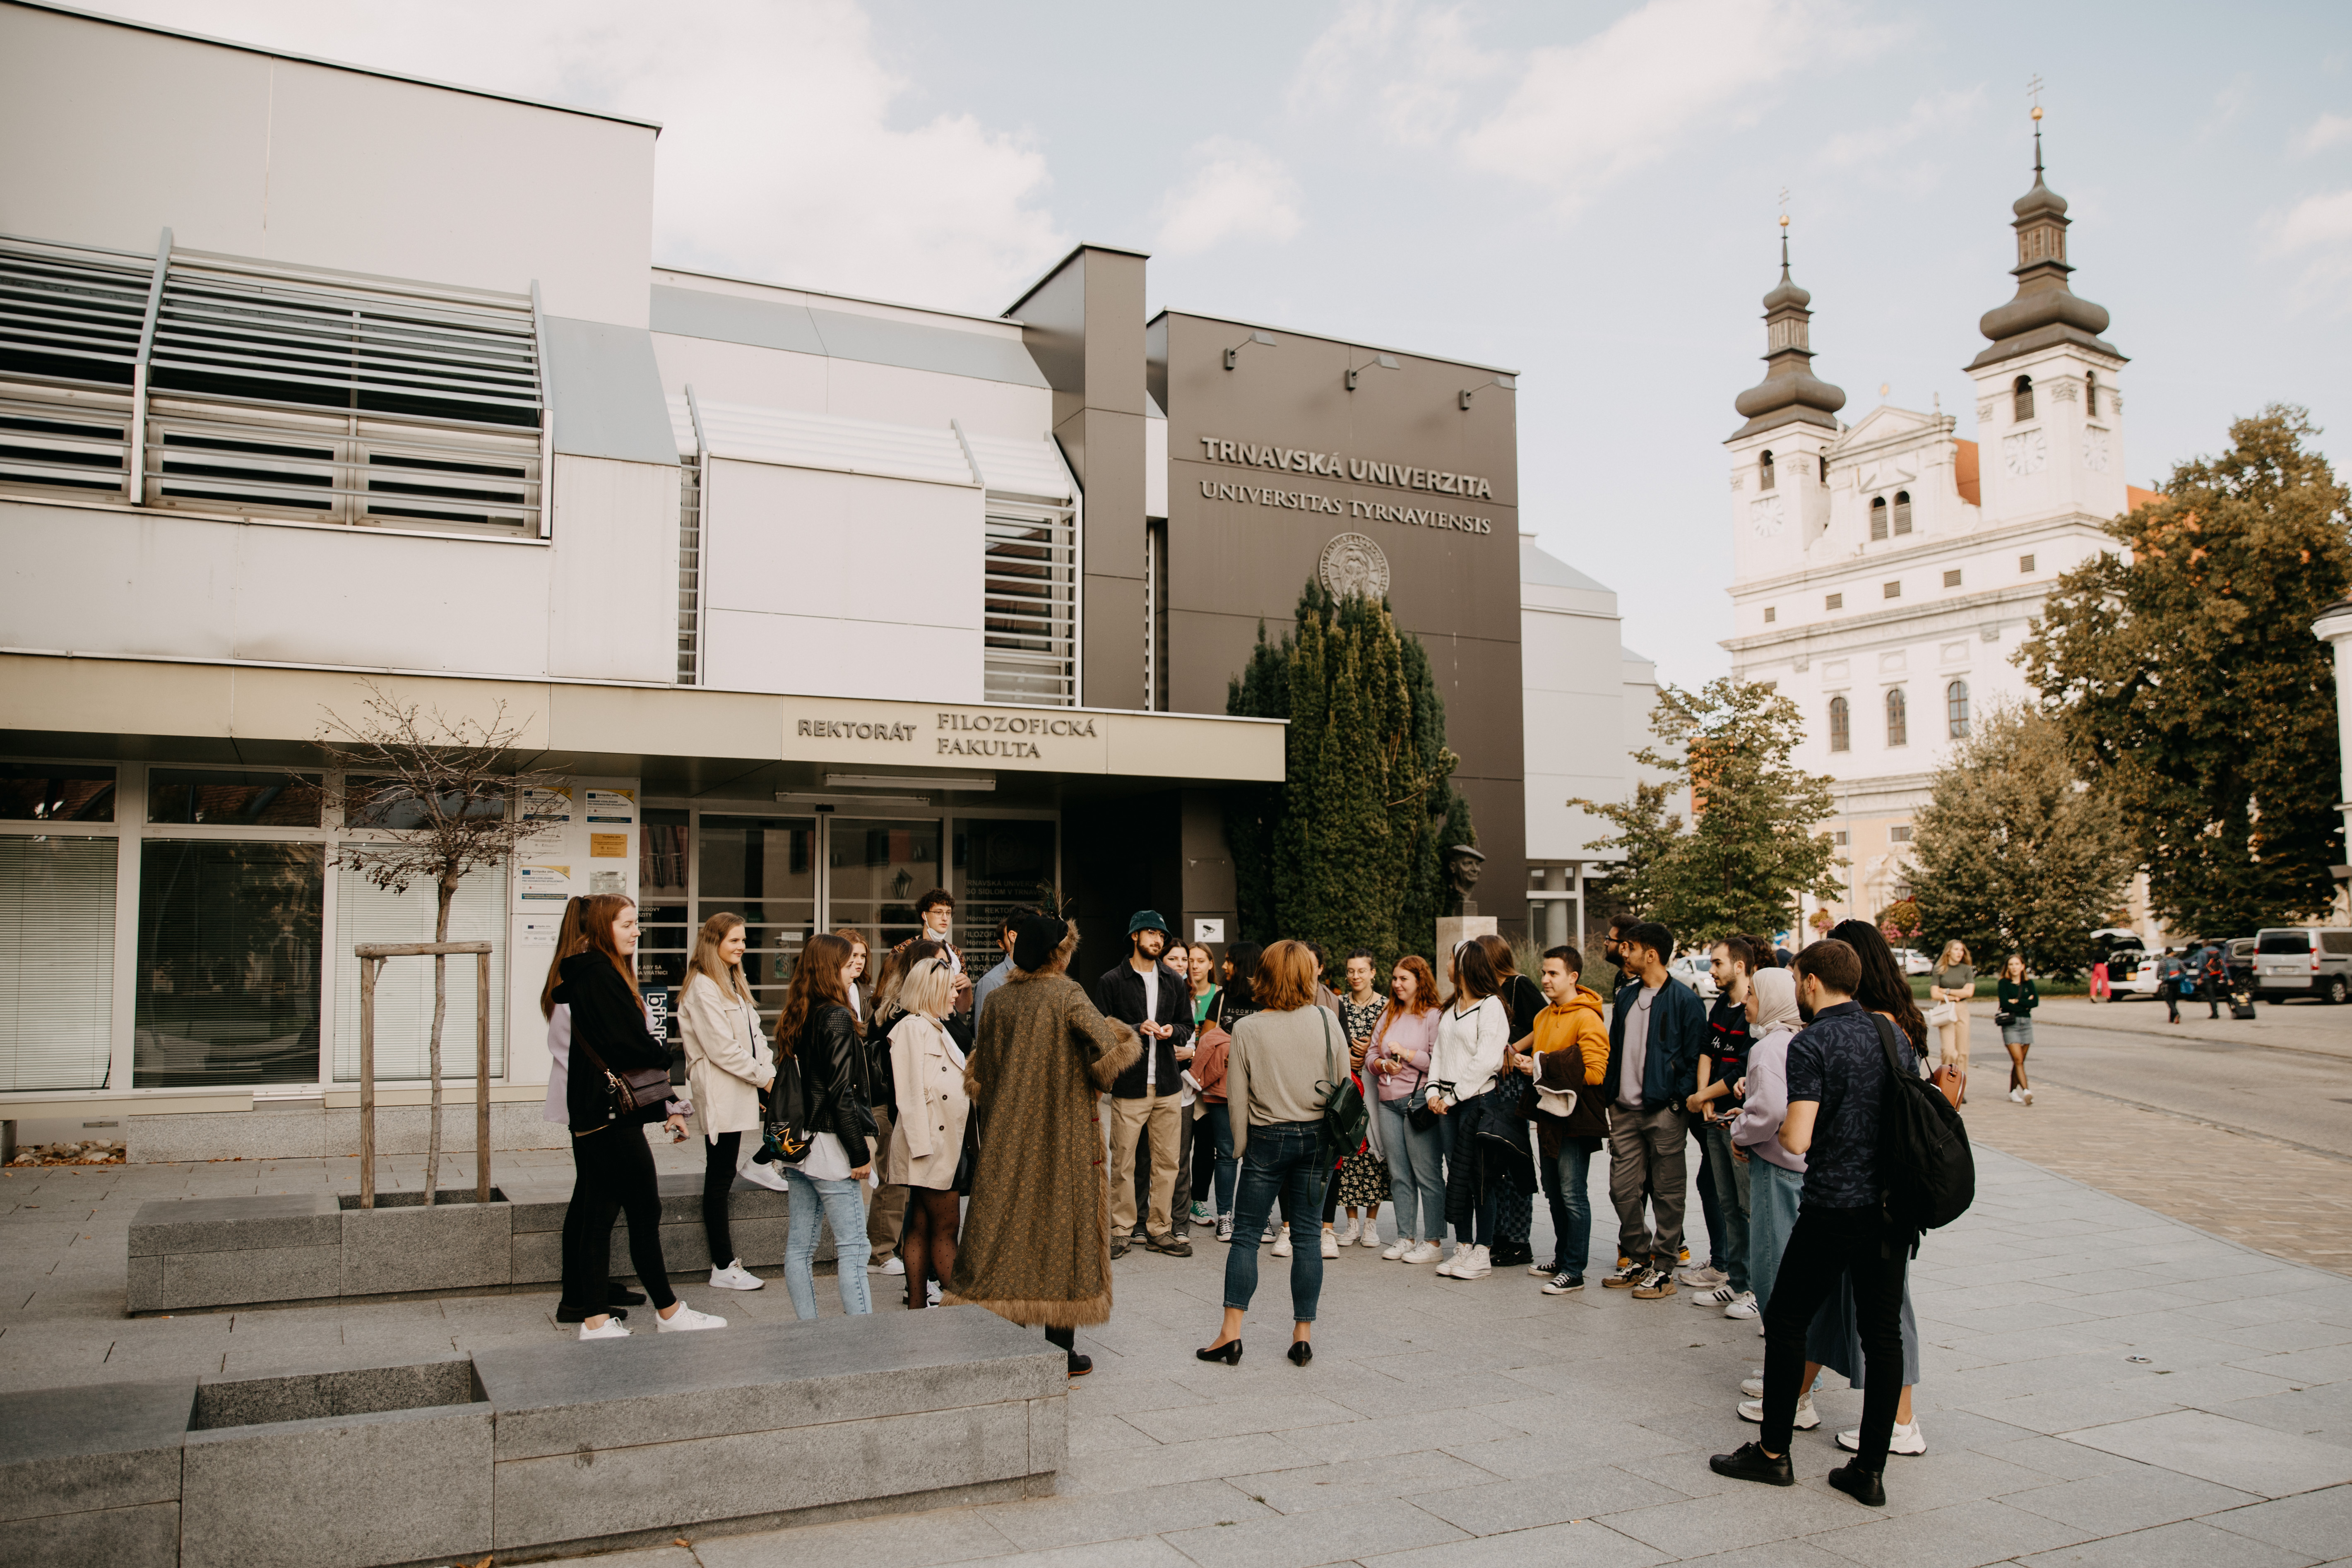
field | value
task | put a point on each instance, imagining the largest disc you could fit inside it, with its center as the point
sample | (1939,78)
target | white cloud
(1576,118)
(2323,132)
(2319,229)
(1235,191)
(785,154)
(1936,114)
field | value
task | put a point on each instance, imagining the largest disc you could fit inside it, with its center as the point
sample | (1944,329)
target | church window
(1841,726)
(1877,517)
(2020,399)
(2091,394)
(1955,709)
(1825,468)
(1899,725)
(1772,614)
(1764,472)
(1902,513)
(1891,590)
(1835,602)
(1952,578)
(2025,565)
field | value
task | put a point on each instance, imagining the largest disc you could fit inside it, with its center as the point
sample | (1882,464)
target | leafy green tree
(1647,835)
(1751,847)
(2190,691)
(1344,851)
(2012,855)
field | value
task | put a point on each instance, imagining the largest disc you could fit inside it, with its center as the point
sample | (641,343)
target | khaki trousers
(1160,1115)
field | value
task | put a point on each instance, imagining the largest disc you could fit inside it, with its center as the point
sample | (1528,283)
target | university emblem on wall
(1354,564)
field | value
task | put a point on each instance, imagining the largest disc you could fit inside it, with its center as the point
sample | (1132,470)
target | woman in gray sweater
(1283,1061)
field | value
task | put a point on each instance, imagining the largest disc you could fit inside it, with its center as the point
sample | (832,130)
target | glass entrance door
(765,869)
(876,867)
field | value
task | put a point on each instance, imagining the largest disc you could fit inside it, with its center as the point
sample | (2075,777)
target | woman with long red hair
(613,1034)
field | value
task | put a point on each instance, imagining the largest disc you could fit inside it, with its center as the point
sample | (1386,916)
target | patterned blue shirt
(1837,1061)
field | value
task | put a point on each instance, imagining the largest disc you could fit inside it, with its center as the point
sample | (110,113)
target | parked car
(1914,962)
(2238,953)
(2133,971)
(2303,961)
(1696,970)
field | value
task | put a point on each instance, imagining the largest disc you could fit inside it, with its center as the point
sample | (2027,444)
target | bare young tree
(450,795)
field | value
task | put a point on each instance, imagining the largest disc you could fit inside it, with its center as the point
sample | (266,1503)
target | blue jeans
(843,1203)
(1571,1205)
(1731,1200)
(1416,1173)
(1772,1202)
(1283,1158)
(1220,1122)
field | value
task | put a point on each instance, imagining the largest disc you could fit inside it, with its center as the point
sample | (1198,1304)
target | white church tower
(1886,572)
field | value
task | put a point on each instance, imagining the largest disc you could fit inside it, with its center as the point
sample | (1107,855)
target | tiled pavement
(1484,1424)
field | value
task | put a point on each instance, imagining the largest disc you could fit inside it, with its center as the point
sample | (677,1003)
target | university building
(1885,572)
(315,377)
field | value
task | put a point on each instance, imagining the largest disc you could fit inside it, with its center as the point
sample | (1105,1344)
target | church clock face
(1765,516)
(2027,452)
(2094,449)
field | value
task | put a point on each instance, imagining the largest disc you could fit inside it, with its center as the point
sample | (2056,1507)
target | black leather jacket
(834,1095)
(610,1022)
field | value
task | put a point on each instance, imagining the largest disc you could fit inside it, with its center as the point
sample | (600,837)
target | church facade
(1886,572)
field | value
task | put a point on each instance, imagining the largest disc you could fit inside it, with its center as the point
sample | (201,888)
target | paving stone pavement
(1484,1424)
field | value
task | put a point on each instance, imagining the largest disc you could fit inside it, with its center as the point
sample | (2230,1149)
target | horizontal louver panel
(1030,469)
(758,433)
(1029,622)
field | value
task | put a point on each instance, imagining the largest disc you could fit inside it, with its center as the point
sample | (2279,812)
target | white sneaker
(1753,1387)
(1398,1248)
(1742,1306)
(762,1176)
(1807,1416)
(735,1277)
(685,1321)
(1907,1439)
(2017,1097)
(1423,1252)
(896,1266)
(1331,1242)
(1273,1233)
(1701,1275)
(1481,1264)
(930,1292)
(1355,1228)
(1225,1228)
(614,1329)
(1372,1237)
(2028,1095)
(1459,1255)
(1282,1245)
(1717,1296)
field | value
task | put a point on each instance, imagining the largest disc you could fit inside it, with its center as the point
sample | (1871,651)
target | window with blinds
(404,987)
(57,962)
(1029,629)
(226,385)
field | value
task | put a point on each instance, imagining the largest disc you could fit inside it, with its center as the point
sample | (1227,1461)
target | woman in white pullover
(1465,1059)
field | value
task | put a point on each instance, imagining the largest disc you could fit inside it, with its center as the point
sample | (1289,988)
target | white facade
(1886,572)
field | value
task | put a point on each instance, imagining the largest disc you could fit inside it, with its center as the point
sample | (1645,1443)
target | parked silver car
(2303,961)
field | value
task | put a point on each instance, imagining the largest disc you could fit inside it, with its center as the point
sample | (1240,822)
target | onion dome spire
(2045,310)
(1790,392)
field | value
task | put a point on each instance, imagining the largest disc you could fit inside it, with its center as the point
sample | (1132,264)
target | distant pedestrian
(1284,1060)
(1955,987)
(2169,978)
(2019,997)
(1399,1061)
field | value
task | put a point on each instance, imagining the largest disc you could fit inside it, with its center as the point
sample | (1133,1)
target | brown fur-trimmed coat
(1036,1248)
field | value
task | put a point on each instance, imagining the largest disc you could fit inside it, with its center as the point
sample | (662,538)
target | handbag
(783,1122)
(2003,1020)
(1344,1114)
(1941,1014)
(633,1090)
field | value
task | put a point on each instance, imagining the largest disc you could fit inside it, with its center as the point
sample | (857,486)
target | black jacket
(1119,994)
(834,1095)
(609,1023)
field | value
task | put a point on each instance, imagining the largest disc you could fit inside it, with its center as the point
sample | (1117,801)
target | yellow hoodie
(1572,1045)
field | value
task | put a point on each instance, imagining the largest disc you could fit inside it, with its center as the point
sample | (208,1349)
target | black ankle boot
(1749,1462)
(1863,1486)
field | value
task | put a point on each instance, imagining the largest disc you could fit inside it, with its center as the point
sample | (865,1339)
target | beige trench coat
(927,1129)
(728,1061)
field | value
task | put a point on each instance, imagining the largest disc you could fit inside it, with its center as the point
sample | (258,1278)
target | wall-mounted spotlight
(1507,383)
(1379,361)
(1266,338)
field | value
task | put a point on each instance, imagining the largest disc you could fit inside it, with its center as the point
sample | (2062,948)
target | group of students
(871,1090)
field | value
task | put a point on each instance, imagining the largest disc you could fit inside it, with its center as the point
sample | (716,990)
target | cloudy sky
(1586,192)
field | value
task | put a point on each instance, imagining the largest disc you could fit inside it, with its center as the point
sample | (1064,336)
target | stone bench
(188,1254)
(532,1451)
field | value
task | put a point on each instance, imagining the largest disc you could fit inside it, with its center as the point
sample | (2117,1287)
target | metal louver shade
(244,386)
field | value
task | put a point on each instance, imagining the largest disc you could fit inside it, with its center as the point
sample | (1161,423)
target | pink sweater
(1410,1036)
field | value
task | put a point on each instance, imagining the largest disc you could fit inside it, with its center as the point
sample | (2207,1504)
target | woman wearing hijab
(1775,1176)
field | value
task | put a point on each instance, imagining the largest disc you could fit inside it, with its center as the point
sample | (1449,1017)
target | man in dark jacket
(1149,1096)
(1657,1028)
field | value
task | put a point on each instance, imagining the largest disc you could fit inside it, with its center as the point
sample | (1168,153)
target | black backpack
(1926,1171)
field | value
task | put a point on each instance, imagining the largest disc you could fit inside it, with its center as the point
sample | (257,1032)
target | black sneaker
(1749,1462)
(1628,1275)
(1563,1284)
(1864,1486)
